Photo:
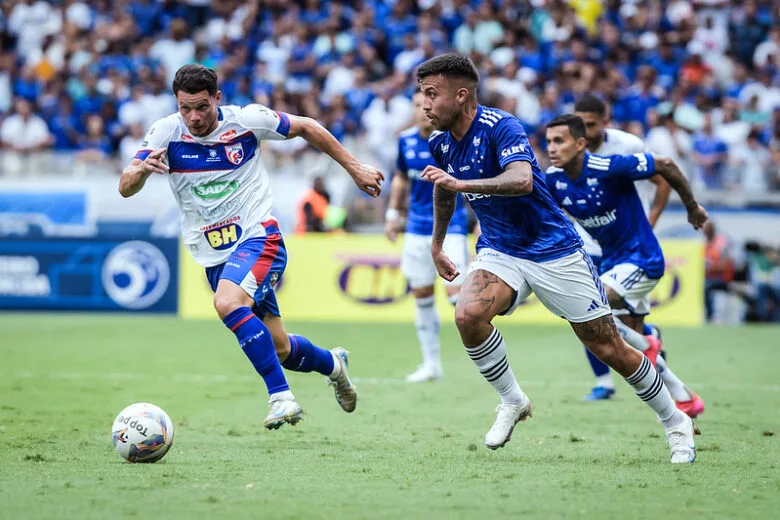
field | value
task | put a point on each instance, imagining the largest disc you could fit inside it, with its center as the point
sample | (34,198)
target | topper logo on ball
(373,280)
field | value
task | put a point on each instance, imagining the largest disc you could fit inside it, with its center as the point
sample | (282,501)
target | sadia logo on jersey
(215,189)
(235,153)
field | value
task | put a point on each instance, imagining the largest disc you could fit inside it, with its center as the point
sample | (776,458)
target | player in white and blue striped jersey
(599,193)
(527,245)
(416,262)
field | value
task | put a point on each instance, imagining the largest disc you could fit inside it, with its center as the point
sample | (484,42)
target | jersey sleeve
(636,167)
(400,161)
(510,142)
(433,145)
(158,136)
(264,122)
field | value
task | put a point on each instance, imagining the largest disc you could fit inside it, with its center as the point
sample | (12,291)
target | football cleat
(507,417)
(345,391)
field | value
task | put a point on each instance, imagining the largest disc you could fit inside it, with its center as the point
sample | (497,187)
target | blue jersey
(533,226)
(603,199)
(413,157)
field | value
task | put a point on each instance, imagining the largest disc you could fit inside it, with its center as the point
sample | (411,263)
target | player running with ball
(211,155)
(527,245)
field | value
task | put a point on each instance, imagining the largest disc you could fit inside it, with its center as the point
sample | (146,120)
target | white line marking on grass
(379,381)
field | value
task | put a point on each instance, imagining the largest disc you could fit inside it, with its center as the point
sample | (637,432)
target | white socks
(490,358)
(649,387)
(672,382)
(427,324)
(632,337)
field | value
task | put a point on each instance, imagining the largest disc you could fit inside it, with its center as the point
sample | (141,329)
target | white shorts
(417,264)
(569,287)
(633,285)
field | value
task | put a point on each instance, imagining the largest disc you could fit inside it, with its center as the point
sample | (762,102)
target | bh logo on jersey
(223,237)
(235,153)
(135,274)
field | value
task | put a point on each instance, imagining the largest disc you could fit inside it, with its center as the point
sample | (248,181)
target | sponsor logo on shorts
(214,189)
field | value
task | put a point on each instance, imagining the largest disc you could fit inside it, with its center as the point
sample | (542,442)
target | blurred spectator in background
(23,131)
(752,165)
(718,269)
(313,208)
(763,262)
(709,156)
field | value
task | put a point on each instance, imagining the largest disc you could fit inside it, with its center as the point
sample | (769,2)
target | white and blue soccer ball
(142,432)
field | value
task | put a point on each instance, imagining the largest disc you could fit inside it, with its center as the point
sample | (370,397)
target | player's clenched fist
(368,179)
(444,265)
(440,178)
(154,162)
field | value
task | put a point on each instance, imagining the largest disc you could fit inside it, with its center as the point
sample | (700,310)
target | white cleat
(283,411)
(425,373)
(507,416)
(346,392)
(681,445)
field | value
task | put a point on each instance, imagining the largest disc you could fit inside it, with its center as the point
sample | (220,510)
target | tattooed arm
(516,179)
(443,208)
(669,170)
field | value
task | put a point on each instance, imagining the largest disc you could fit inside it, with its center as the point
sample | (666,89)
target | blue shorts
(256,266)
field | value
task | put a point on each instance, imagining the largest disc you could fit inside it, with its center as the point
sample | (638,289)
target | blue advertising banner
(89,274)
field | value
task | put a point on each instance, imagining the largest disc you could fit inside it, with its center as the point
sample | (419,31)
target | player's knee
(467,318)
(225,304)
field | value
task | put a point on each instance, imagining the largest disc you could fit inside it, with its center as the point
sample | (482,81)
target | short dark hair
(451,65)
(592,104)
(575,124)
(194,78)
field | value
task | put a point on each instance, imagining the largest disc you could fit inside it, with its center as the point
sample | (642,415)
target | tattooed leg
(482,296)
(602,338)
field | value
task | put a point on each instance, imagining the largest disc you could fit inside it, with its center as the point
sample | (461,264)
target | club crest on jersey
(592,182)
(476,141)
(235,153)
(561,185)
(227,136)
(445,148)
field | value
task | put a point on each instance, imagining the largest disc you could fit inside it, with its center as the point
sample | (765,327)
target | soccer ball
(142,432)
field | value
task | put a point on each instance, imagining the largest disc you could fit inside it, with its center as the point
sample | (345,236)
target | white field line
(379,381)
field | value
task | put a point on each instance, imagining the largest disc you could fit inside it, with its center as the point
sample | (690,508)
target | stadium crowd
(700,80)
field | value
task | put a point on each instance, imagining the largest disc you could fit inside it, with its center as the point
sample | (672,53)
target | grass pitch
(407,452)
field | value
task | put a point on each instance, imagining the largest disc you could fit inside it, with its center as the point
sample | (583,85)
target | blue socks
(307,357)
(256,342)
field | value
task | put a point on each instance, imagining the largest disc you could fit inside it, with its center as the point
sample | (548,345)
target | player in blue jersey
(599,193)
(527,245)
(211,157)
(416,262)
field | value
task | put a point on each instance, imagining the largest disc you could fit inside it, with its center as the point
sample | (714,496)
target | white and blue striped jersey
(604,201)
(413,157)
(219,180)
(532,227)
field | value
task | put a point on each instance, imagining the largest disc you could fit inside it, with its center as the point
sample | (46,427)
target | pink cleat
(692,407)
(653,350)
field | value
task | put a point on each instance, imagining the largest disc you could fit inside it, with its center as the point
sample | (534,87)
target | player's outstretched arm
(444,202)
(669,170)
(660,200)
(135,174)
(516,179)
(367,178)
